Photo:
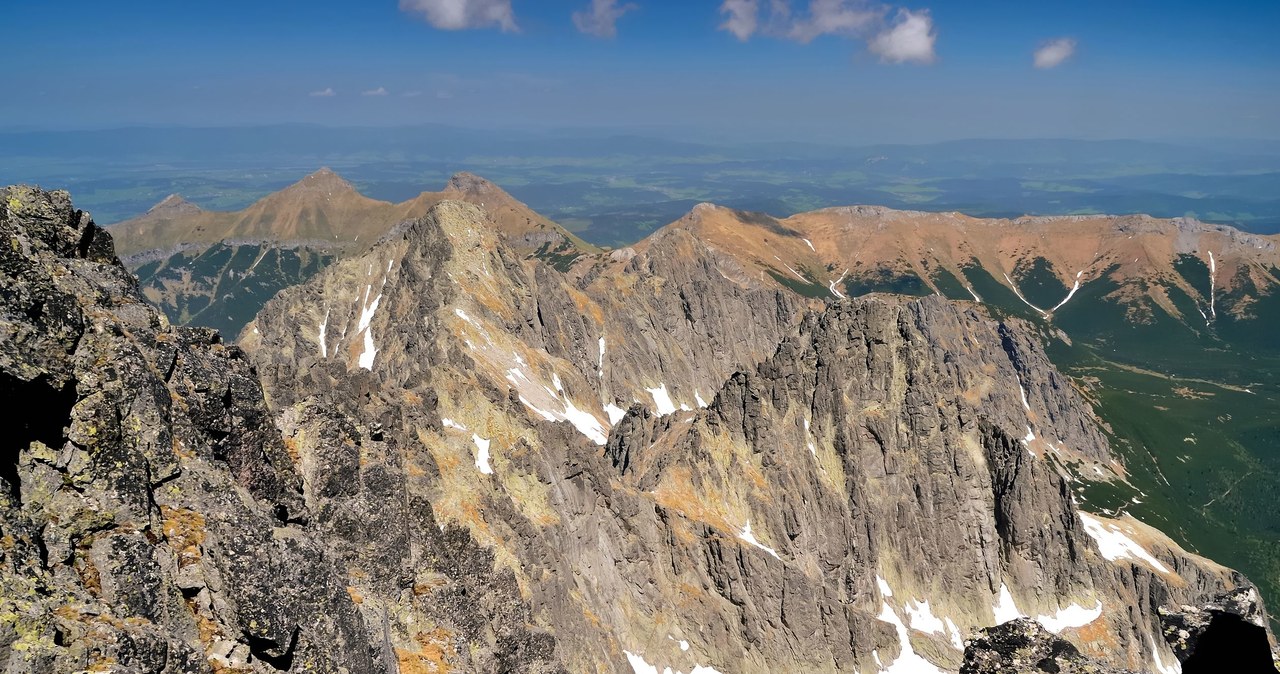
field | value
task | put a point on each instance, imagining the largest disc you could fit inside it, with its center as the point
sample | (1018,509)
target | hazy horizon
(850,71)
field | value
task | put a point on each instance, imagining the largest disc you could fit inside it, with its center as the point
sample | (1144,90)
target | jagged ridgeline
(443,454)
(217,268)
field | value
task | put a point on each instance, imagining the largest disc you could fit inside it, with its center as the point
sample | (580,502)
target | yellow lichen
(184,529)
(434,649)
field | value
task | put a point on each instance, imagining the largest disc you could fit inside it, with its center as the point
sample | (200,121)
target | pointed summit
(325,181)
(174,205)
(470,183)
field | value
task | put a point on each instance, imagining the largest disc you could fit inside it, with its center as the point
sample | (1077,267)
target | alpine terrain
(472,443)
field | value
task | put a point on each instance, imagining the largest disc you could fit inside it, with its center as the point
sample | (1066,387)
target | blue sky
(848,70)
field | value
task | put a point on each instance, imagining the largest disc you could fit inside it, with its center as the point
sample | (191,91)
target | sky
(853,71)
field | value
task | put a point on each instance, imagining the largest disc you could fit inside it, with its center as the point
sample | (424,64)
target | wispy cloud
(327,92)
(741,18)
(1054,53)
(834,17)
(464,14)
(601,17)
(909,40)
(380,91)
(775,18)
(411,94)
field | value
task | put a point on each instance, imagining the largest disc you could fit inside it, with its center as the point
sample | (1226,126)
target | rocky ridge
(152,519)
(437,473)
(867,488)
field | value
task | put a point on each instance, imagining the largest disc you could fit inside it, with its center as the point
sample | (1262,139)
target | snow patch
(586,423)
(749,537)
(698,399)
(1019,294)
(907,662)
(1025,405)
(1213,282)
(366,317)
(639,666)
(600,364)
(975,295)
(324,329)
(831,285)
(482,454)
(810,243)
(919,617)
(1115,545)
(450,423)
(957,639)
(615,413)
(662,400)
(1005,610)
(1074,288)
(1074,615)
(1171,667)
(885,590)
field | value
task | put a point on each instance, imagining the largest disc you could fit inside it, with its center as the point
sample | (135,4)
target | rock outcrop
(1231,627)
(153,519)
(1024,646)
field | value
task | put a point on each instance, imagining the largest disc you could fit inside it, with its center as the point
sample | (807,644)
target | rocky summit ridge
(442,454)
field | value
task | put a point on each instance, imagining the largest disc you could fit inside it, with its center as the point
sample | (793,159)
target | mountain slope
(153,520)
(850,250)
(216,268)
(1187,379)
(860,486)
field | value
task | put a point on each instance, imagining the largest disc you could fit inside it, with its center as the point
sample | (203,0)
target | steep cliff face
(153,519)
(684,467)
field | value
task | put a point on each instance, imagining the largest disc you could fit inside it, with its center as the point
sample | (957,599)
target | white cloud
(380,91)
(411,94)
(849,18)
(909,40)
(601,18)
(327,92)
(1054,53)
(464,14)
(742,18)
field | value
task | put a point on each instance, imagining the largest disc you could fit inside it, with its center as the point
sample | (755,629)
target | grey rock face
(849,466)
(153,519)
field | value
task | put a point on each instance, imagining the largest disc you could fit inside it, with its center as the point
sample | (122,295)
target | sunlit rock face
(668,449)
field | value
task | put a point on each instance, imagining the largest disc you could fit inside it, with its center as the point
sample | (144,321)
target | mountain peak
(471,183)
(174,204)
(325,179)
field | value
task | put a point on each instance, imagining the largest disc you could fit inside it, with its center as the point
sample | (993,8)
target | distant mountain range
(613,188)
